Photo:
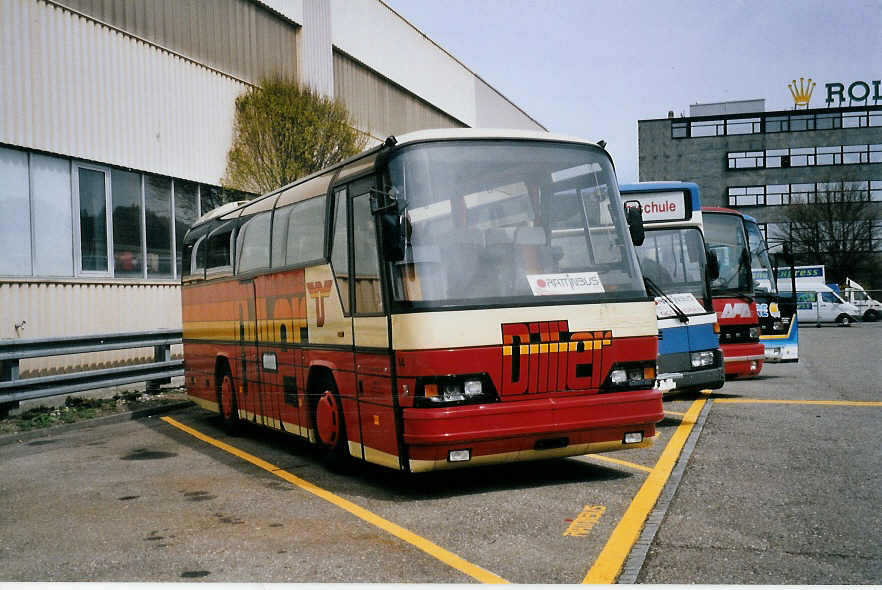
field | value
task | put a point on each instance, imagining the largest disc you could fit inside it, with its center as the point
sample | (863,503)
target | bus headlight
(453,390)
(778,326)
(754,333)
(705,358)
(640,375)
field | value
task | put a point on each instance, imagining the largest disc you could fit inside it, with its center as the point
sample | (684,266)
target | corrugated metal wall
(380,106)
(72,86)
(58,309)
(237,37)
(315,50)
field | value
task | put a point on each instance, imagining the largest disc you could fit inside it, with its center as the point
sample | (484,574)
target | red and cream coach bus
(449,298)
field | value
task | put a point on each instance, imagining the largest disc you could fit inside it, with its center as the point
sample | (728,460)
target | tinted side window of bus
(299,233)
(253,243)
(219,250)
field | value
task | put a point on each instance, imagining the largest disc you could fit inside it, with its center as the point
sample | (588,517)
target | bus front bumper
(508,431)
(744,359)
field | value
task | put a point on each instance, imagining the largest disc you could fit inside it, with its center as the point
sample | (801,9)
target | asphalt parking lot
(778,481)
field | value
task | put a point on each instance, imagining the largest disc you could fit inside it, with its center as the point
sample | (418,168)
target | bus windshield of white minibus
(502,220)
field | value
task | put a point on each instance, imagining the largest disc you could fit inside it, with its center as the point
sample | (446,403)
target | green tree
(284,131)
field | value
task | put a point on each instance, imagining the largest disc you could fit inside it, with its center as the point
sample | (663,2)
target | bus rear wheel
(226,402)
(329,425)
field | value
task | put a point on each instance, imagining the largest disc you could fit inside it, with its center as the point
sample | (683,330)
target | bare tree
(834,227)
(284,131)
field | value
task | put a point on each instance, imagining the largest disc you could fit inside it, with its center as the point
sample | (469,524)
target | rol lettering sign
(663,206)
(857,91)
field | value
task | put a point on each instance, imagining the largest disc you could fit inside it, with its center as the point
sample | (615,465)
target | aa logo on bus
(545,356)
(319,291)
(735,310)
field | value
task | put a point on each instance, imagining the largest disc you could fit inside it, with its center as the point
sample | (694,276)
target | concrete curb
(638,553)
(19,437)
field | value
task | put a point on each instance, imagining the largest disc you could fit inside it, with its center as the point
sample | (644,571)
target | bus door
(252,253)
(374,425)
(281,309)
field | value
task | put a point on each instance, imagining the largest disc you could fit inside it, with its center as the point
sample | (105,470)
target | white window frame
(77,233)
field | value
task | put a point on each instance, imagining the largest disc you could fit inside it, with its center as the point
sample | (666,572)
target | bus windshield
(759,257)
(510,220)
(726,238)
(674,259)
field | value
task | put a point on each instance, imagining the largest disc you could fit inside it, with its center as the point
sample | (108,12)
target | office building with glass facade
(759,161)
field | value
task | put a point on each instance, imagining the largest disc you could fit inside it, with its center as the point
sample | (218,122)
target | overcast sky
(592,69)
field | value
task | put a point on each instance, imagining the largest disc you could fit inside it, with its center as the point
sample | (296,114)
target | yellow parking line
(807,402)
(425,545)
(613,555)
(620,462)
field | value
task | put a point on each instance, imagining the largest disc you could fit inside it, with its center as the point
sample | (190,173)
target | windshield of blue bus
(510,220)
(725,237)
(674,259)
(759,257)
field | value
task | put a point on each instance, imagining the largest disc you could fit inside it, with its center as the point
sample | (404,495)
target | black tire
(844,320)
(871,316)
(227,407)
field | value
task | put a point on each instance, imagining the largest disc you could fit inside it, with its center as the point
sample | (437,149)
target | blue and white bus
(675,263)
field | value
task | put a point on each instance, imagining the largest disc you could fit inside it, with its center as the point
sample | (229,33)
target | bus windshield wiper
(653,287)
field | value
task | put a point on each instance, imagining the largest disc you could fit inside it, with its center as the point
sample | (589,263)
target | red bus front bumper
(743,360)
(531,429)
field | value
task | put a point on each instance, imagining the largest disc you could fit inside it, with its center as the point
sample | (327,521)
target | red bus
(733,292)
(449,298)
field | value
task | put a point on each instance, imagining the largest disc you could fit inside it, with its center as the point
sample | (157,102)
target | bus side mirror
(393,239)
(713,265)
(634,217)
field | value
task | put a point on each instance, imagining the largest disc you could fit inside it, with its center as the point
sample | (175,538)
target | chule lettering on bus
(469,309)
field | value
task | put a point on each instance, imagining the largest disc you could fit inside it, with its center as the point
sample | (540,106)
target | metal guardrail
(13,389)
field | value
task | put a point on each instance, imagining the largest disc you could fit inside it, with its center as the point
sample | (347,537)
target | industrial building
(115,121)
(759,161)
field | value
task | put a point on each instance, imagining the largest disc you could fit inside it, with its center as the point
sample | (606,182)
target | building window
(679,130)
(125,190)
(835,155)
(93,196)
(743,126)
(15,222)
(52,216)
(707,128)
(186,212)
(158,226)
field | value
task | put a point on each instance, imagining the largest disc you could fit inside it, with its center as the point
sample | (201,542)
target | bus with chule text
(448,298)
(678,269)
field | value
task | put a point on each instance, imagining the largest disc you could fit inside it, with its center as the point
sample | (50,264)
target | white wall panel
(60,309)
(375,35)
(72,86)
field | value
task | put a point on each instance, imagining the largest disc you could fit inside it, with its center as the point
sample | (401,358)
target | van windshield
(497,221)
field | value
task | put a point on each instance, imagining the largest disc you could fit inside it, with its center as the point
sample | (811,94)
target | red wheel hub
(227,393)
(327,419)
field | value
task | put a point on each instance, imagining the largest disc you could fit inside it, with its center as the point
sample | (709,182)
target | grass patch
(78,408)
